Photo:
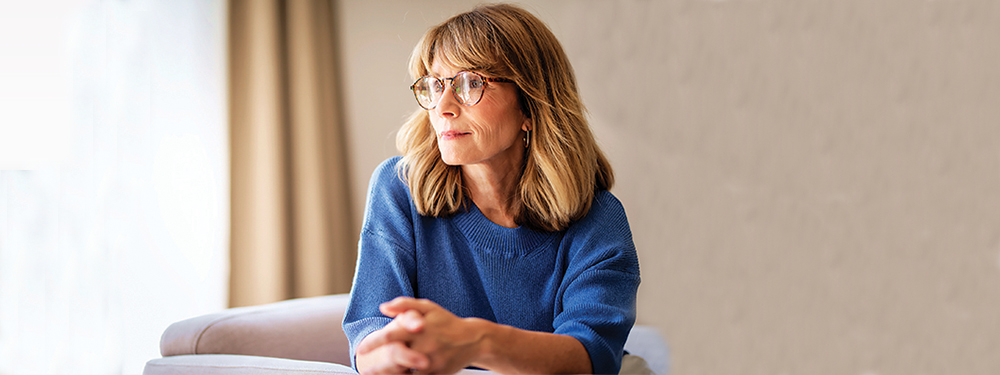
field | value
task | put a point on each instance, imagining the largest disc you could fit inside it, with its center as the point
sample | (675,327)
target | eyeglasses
(467,87)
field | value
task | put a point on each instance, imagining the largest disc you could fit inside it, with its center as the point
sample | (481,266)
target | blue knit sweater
(579,282)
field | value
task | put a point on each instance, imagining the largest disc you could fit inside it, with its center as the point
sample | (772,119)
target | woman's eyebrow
(436,74)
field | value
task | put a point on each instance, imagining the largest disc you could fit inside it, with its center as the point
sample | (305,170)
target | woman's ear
(527,125)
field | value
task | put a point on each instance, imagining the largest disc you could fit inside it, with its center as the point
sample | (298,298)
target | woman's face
(488,132)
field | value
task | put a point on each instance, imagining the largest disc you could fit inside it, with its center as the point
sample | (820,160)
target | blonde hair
(563,166)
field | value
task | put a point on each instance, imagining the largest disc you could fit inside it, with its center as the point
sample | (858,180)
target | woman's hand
(449,343)
(377,354)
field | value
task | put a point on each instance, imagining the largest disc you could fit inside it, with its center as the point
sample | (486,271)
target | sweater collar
(489,236)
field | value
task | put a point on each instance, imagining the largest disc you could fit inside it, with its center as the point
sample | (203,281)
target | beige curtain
(291,221)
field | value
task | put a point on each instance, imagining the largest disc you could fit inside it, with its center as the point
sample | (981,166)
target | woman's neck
(491,187)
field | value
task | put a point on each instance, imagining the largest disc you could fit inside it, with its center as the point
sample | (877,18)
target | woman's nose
(448,105)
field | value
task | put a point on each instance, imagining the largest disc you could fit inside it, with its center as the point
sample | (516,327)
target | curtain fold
(291,216)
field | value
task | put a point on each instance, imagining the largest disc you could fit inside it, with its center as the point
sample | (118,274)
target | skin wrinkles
(485,140)
(495,124)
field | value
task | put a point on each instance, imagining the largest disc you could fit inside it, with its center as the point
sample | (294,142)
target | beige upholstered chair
(304,336)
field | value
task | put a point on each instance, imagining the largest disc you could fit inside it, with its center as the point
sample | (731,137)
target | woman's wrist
(506,349)
(489,340)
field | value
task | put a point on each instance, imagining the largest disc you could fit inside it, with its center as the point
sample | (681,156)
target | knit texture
(580,282)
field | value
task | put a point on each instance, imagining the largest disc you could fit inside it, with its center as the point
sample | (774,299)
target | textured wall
(814,187)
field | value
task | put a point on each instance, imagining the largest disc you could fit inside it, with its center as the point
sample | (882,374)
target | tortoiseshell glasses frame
(468,88)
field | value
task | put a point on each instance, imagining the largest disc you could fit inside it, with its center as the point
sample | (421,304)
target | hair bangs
(466,42)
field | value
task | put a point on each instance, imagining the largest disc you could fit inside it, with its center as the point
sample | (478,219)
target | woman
(493,241)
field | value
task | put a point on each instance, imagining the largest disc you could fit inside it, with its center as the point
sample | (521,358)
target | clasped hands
(423,337)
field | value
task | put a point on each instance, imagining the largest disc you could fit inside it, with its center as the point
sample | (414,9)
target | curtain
(290,220)
(120,226)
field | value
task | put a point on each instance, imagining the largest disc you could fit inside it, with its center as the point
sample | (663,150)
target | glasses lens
(427,90)
(468,87)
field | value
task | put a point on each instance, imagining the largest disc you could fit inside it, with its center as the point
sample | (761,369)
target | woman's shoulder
(605,219)
(387,186)
(387,174)
(603,236)
(388,167)
(605,209)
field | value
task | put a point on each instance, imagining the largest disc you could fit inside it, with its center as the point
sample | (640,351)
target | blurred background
(813,187)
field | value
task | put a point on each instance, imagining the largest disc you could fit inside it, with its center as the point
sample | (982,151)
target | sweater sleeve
(598,294)
(386,266)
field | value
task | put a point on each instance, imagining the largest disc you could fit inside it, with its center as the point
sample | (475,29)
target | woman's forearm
(510,350)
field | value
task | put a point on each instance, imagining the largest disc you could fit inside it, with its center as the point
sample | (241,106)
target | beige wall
(814,187)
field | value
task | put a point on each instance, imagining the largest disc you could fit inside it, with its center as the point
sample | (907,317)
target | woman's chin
(451,160)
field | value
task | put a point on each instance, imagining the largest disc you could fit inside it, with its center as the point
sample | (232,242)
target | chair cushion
(227,364)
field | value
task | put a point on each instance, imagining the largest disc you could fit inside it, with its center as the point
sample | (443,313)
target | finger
(398,359)
(399,305)
(396,306)
(378,363)
(387,368)
(410,320)
(374,341)
(393,312)
(391,332)
(406,357)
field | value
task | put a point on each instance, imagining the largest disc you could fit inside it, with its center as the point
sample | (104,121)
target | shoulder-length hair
(563,166)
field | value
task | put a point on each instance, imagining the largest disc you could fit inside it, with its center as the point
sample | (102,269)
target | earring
(527,138)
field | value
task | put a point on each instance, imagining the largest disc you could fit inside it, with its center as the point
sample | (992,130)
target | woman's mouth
(451,134)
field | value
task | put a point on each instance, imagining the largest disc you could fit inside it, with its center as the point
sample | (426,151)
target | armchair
(304,336)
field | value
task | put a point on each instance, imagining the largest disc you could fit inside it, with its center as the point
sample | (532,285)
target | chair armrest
(647,343)
(304,329)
